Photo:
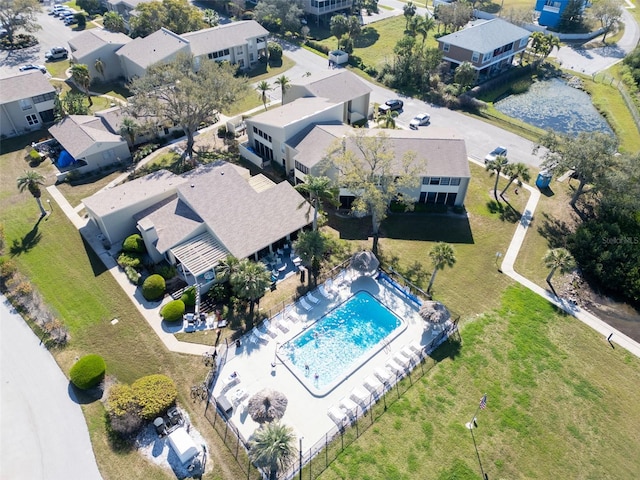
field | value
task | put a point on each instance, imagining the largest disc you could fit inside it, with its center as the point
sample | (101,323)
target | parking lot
(52,34)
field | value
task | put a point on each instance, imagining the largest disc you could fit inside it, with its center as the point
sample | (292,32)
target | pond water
(554,105)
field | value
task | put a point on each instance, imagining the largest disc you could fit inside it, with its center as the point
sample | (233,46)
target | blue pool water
(339,342)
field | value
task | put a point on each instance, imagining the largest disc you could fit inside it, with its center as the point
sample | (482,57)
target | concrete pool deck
(307,413)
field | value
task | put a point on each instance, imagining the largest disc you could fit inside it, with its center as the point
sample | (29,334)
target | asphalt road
(43,434)
(54,33)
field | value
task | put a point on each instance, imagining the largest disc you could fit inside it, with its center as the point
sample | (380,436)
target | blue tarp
(65,159)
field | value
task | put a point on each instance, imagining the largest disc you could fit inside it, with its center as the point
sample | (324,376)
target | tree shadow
(505,214)
(429,227)
(367,37)
(554,230)
(85,397)
(449,349)
(26,243)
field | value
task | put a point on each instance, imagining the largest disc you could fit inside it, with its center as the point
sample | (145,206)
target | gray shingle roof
(173,221)
(223,36)
(91,40)
(336,86)
(77,133)
(24,85)
(153,48)
(243,219)
(486,36)
(292,112)
(439,152)
(133,192)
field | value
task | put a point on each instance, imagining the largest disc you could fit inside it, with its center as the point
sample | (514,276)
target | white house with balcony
(26,103)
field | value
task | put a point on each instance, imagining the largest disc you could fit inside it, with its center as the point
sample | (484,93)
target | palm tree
(263,87)
(318,189)
(99,66)
(495,167)
(249,280)
(211,17)
(423,25)
(516,171)
(82,78)
(311,247)
(409,10)
(284,83)
(226,267)
(129,128)
(31,181)
(442,255)
(388,120)
(558,259)
(273,447)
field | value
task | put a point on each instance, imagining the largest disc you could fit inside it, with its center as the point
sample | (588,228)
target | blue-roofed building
(491,47)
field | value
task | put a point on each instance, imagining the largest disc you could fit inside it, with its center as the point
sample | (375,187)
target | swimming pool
(337,344)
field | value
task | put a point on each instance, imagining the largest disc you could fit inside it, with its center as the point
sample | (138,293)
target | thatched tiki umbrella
(267,405)
(434,313)
(364,262)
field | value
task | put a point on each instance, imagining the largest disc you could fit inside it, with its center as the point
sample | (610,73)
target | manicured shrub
(166,271)
(173,311)
(134,243)
(133,275)
(275,51)
(153,287)
(189,297)
(155,394)
(124,410)
(88,371)
(130,259)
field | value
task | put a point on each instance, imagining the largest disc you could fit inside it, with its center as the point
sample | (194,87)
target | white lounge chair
(360,396)
(408,352)
(338,415)
(417,348)
(350,407)
(230,381)
(268,328)
(402,359)
(261,336)
(395,367)
(384,375)
(374,385)
(305,305)
(284,325)
(324,293)
(312,299)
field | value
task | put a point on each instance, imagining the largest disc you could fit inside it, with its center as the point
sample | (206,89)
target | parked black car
(393,105)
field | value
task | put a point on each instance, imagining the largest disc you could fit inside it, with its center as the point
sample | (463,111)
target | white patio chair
(324,292)
(374,385)
(384,375)
(338,415)
(402,360)
(395,367)
(361,397)
(312,299)
(305,305)
(350,407)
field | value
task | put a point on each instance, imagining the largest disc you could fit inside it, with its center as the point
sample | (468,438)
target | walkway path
(44,433)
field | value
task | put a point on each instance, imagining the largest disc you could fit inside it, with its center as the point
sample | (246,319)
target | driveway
(43,434)
(479,136)
(54,33)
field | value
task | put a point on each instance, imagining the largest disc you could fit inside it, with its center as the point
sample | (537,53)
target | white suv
(495,153)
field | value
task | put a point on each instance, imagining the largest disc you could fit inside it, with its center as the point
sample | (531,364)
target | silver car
(495,153)
(420,120)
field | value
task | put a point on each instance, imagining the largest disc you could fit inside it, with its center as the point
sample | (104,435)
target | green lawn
(560,405)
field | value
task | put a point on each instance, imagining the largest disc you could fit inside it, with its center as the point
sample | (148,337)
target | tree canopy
(174,92)
(114,22)
(607,13)
(18,15)
(374,175)
(179,16)
(279,15)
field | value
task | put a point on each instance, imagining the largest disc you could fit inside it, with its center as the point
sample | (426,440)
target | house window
(523,42)
(425,180)
(32,120)
(445,47)
(486,57)
(435,181)
(445,181)
(43,98)
(455,181)
(302,168)
(255,130)
(25,104)
(251,57)
(475,57)
(241,63)
(508,47)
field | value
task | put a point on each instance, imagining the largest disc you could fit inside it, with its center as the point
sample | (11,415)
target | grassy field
(86,298)
(560,404)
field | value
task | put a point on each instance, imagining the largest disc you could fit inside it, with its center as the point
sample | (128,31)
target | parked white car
(420,120)
(495,153)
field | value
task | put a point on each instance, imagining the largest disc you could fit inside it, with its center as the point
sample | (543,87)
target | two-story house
(440,160)
(322,10)
(241,43)
(330,97)
(490,46)
(26,103)
(97,44)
